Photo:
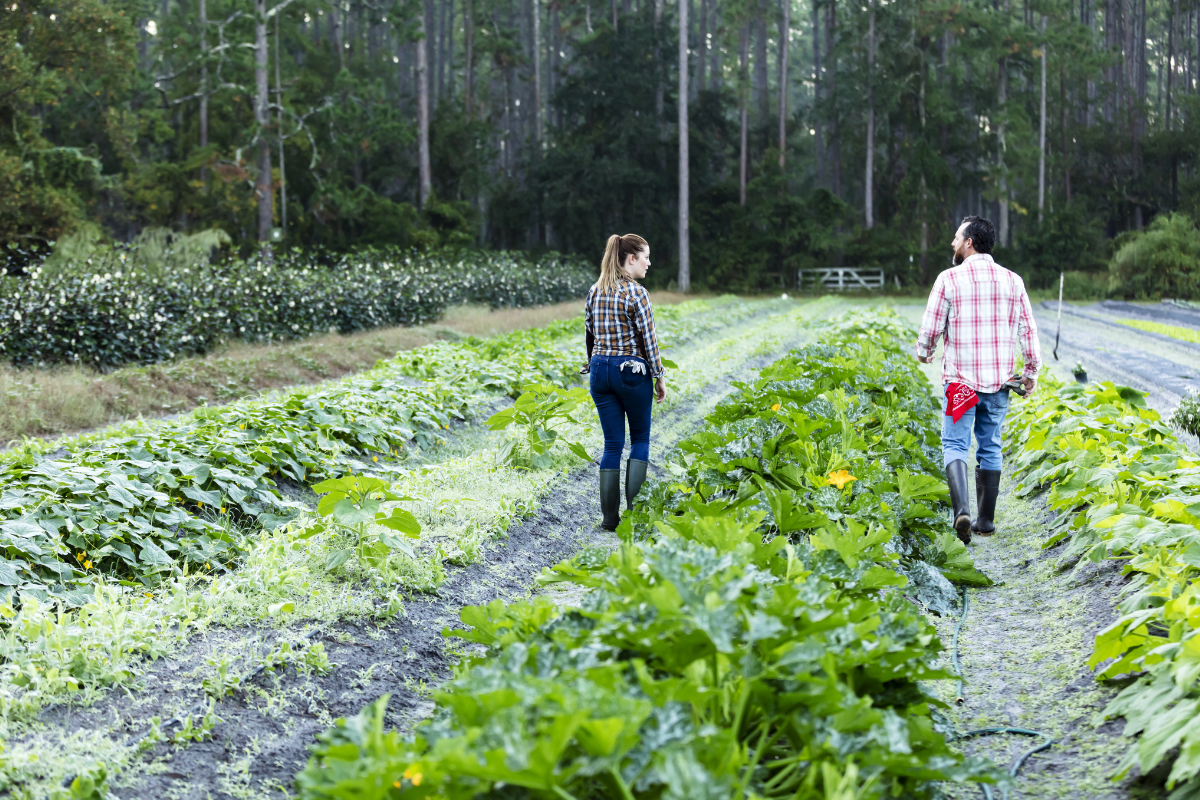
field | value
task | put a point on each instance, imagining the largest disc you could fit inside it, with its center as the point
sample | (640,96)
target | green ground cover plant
(749,637)
(116,313)
(1187,414)
(1126,488)
(1174,331)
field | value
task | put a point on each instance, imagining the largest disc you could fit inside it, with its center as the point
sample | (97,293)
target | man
(981,309)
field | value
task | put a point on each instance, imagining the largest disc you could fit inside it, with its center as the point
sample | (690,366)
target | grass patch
(61,400)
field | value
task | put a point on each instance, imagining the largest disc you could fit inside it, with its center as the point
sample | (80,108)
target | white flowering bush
(1187,415)
(125,314)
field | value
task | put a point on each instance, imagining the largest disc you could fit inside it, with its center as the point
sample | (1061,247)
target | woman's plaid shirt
(617,318)
(983,310)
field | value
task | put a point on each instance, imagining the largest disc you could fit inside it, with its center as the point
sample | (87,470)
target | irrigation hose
(960,699)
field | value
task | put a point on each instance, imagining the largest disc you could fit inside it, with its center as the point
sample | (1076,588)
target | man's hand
(1028,383)
(660,388)
(925,359)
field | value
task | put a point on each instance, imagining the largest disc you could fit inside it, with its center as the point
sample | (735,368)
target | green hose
(960,699)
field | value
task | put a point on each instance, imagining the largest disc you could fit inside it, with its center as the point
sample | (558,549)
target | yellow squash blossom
(775,407)
(841,478)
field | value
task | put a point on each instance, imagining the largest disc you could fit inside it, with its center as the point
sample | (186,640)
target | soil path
(267,726)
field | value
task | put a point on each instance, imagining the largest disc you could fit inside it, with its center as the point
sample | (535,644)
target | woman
(624,366)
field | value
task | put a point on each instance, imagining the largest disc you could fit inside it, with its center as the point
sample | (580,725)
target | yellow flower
(81,556)
(87,564)
(412,775)
(447,427)
(841,478)
(242,427)
(374,458)
(150,595)
(396,784)
(775,407)
(222,509)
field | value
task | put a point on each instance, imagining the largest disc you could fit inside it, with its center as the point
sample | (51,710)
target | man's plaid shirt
(616,318)
(982,309)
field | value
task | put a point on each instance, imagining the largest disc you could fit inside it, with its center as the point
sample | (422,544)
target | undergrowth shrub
(1161,261)
(118,312)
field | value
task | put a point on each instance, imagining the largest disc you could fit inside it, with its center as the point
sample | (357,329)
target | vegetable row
(750,637)
(148,501)
(1126,488)
(106,319)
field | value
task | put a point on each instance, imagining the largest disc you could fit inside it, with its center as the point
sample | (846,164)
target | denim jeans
(986,419)
(620,394)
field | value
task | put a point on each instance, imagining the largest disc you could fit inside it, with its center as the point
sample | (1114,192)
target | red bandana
(960,399)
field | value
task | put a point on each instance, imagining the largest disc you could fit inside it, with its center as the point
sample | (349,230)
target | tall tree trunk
(1042,131)
(204,88)
(835,143)
(1171,59)
(469,44)
(659,71)
(744,110)
(279,121)
(1002,182)
(449,59)
(555,49)
(818,88)
(685,267)
(335,33)
(424,171)
(716,67)
(785,31)
(922,210)
(693,57)
(614,15)
(763,123)
(262,102)
(702,73)
(869,177)
(536,11)
(1066,152)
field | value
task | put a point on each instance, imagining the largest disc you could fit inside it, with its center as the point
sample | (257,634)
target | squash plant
(355,504)
(535,412)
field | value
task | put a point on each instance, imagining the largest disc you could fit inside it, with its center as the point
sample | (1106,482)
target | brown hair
(616,252)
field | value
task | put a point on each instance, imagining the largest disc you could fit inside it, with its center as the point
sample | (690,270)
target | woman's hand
(660,388)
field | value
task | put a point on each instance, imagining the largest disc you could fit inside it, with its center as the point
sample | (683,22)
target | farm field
(215,631)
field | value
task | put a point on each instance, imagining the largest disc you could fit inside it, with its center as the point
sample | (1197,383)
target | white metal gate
(840,279)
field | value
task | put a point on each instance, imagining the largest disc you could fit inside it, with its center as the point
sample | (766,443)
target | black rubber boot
(987,491)
(635,475)
(610,498)
(960,499)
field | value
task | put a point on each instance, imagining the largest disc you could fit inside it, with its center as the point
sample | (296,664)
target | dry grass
(70,399)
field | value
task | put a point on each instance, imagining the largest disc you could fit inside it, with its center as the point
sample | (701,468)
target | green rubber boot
(635,476)
(610,498)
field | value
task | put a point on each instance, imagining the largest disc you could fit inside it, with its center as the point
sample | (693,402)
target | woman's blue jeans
(986,420)
(622,394)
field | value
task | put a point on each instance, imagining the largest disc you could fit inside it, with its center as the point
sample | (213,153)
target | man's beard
(958,258)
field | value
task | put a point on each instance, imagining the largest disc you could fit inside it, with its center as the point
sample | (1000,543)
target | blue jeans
(986,419)
(620,394)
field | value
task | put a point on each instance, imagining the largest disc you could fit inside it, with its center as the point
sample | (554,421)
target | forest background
(818,132)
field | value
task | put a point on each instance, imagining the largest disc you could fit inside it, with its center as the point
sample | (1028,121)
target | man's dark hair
(981,233)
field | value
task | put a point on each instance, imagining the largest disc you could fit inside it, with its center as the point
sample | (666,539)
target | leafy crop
(355,504)
(1127,489)
(128,315)
(747,638)
(535,413)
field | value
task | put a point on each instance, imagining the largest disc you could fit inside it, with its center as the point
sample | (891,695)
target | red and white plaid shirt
(617,318)
(982,309)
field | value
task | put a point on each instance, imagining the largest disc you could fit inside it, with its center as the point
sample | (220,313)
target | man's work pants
(986,419)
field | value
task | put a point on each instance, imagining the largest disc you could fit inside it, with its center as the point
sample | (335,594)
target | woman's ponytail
(616,252)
